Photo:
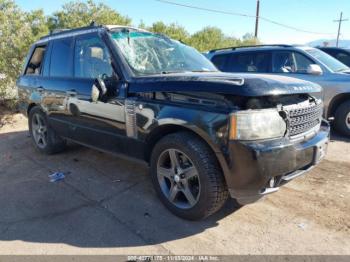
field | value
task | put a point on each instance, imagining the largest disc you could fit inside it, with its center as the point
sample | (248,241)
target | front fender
(210,126)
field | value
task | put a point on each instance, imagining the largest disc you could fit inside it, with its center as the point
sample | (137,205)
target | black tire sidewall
(340,118)
(191,149)
(54,143)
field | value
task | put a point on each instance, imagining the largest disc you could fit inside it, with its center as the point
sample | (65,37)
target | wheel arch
(335,102)
(159,132)
(30,107)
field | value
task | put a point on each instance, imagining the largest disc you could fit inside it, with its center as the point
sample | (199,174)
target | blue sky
(311,15)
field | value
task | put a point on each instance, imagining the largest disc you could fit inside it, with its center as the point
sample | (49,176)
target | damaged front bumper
(256,169)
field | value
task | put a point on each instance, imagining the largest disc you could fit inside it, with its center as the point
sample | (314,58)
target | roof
(256,47)
(332,48)
(248,46)
(61,33)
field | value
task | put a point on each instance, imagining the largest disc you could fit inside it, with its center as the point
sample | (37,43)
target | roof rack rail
(59,31)
(246,46)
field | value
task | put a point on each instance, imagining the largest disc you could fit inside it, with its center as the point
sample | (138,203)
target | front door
(99,124)
(294,64)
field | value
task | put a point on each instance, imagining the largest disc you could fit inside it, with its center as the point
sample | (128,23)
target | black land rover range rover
(205,134)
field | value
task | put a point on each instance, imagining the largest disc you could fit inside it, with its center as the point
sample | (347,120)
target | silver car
(301,62)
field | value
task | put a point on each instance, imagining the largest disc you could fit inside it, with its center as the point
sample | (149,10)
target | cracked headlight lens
(256,125)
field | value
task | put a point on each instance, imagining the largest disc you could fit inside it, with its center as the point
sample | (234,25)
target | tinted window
(290,62)
(329,61)
(220,61)
(92,58)
(36,61)
(330,51)
(61,58)
(344,58)
(249,62)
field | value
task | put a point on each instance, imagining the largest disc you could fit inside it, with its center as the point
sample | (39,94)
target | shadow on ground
(104,201)
(338,137)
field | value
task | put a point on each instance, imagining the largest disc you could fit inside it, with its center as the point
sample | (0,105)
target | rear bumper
(256,169)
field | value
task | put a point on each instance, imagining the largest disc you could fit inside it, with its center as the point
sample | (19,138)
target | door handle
(71,93)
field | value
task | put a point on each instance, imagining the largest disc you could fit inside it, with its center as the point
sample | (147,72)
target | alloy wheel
(178,178)
(347,120)
(39,130)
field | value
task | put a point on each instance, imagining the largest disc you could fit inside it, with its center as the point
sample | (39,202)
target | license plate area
(320,151)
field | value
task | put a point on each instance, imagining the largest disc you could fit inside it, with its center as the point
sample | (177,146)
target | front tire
(342,119)
(43,136)
(187,177)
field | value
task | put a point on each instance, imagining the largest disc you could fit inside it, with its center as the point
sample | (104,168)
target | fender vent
(130,118)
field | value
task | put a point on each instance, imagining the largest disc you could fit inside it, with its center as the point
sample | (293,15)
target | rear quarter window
(35,63)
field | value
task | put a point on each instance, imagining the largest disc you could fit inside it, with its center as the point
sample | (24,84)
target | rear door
(57,81)
(249,62)
(29,83)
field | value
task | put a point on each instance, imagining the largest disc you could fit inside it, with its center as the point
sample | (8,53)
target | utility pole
(339,27)
(257,18)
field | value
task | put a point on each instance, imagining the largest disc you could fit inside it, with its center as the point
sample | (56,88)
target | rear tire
(342,119)
(43,136)
(187,177)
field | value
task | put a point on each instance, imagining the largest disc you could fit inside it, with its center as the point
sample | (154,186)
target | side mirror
(98,90)
(314,69)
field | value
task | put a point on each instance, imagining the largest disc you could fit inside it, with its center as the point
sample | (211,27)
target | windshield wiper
(172,72)
(204,71)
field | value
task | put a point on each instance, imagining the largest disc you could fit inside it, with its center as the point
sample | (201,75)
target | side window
(290,62)
(344,58)
(250,62)
(301,63)
(283,62)
(220,61)
(92,58)
(61,58)
(36,61)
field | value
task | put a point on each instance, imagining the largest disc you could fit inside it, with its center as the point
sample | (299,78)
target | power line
(339,27)
(242,15)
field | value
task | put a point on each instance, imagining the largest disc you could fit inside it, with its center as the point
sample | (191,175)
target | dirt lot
(106,205)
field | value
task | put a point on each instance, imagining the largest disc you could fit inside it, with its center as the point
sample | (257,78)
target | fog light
(272,182)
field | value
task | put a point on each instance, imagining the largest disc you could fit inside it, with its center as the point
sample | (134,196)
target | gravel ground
(106,205)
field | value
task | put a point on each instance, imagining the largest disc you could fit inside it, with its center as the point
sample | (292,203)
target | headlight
(256,124)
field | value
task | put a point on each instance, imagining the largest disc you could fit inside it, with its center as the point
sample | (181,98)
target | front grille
(304,118)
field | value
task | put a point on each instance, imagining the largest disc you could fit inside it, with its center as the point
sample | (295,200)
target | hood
(224,83)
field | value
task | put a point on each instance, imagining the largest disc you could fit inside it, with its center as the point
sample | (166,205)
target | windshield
(148,54)
(327,60)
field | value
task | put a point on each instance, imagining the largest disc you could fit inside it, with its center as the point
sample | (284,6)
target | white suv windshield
(148,54)
(327,60)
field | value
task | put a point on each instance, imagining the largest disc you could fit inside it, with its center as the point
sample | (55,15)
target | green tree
(207,38)
(18,30)
(172,30)
(212,37)
(78,14)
